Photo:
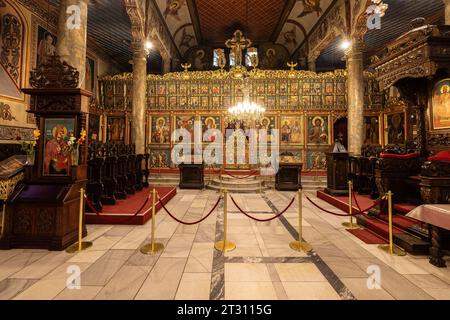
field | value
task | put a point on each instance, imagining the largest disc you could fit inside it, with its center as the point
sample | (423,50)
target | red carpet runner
(376,230)
(128,207)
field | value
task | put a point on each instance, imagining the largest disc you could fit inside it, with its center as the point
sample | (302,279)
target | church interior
(225,150)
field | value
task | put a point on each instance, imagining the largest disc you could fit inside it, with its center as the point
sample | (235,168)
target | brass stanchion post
(350,224)
(300,245)
(80,245)
(152,247)
(391,248)
(225,245)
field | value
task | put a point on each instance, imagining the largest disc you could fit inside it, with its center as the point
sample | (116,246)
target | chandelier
(246,112)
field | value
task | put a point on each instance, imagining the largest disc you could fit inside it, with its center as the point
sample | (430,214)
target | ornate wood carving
(54,73)
(11,50)
(418,53)
(56,103)
(438,140)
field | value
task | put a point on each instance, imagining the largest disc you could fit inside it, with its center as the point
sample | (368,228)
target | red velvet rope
(263,220)
(112,221)
(371,207)
(189,223)
(339,214)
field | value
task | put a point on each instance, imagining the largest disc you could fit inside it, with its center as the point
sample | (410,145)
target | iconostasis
(303,106)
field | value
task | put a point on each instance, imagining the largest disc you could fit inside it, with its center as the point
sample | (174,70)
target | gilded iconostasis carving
(302,105)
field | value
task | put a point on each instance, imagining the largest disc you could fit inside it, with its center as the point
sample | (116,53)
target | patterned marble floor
(262,266)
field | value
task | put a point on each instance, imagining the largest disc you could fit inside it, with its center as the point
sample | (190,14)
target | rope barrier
(112,221)
(262,220)
(189,223)
(327,211)
(344,215)
(377,202)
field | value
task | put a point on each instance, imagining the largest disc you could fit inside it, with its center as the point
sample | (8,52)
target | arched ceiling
(211,22)
(395,23)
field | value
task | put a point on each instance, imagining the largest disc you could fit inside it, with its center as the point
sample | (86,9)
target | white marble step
(238,183)
(237,190)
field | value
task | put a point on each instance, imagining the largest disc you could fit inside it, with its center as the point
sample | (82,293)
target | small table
(288,177)
(437,216)
(192,176)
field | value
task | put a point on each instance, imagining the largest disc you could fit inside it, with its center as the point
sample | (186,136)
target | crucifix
(237,44)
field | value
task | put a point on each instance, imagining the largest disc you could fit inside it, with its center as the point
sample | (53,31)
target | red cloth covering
(441,156)
(399,156)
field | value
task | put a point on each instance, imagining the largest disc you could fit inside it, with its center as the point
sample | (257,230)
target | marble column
(139,96)
(447,11)
(72,32)
(355,98)
(312,65)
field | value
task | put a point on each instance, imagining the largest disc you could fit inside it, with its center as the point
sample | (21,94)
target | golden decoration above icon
(292,65)
(186,66)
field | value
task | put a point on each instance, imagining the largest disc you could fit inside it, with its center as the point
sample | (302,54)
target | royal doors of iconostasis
(244,140)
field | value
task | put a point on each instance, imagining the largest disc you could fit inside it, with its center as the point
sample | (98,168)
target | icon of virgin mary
(57,153)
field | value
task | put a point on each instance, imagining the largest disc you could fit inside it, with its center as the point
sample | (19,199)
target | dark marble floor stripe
(331,277)
(268,260)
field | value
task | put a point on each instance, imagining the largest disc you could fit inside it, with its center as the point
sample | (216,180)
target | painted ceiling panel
(302,19)
(178,19)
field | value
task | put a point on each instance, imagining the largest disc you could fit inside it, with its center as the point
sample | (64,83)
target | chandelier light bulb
(345,44)
(148,45)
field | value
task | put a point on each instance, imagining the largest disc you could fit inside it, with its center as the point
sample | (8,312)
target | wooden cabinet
(288,177)
(192,176)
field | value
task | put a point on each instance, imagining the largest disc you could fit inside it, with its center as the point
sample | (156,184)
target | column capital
(356,48)
(138,48)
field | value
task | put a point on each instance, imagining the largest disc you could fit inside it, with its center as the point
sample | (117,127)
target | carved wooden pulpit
(337,174)
(43,211)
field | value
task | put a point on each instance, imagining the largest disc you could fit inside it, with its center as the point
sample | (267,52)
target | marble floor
(262,266)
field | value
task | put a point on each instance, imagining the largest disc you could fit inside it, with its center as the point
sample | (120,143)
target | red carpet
(367,236)
(341,202)
(404,229)
(126,208)
(399,222)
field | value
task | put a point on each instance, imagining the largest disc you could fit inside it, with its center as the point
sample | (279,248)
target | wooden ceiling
(395,23)
(258,19)
(213,22)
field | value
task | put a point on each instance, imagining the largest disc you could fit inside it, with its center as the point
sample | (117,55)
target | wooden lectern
(192,176)
(43,211)
(337,174)
(288,177)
